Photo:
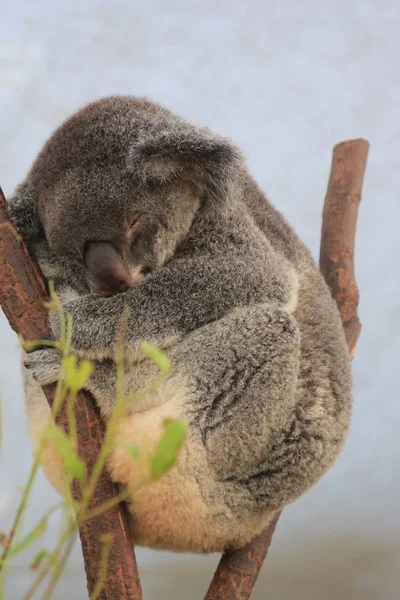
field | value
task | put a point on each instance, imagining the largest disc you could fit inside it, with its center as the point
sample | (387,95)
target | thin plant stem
(69,533)
(105,553)
(18,520)
(62,563)
(120,497)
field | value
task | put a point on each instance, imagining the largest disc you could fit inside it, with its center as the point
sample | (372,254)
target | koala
(128,205)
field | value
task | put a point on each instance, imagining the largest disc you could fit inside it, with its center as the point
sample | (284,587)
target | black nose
(108,285)
(106,268)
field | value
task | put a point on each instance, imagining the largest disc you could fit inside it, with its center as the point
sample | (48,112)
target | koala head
(118,186)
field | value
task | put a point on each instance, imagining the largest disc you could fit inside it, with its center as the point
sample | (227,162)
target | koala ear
(187,152)
(23,212)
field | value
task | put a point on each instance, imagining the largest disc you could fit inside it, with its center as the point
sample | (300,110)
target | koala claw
(44,365)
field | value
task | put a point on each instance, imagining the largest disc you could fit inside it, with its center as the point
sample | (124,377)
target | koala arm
(67,273)
(171,302)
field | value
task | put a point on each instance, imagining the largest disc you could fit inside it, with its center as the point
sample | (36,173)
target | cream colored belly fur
(184,509)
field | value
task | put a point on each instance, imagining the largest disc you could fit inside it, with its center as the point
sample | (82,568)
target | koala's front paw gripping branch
(22,296)
(237,571)
(22,292)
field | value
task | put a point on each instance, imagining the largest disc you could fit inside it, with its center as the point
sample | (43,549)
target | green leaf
(157,356)
(73,465)
(168,447)
(40,556)
(29,539)
(76,376)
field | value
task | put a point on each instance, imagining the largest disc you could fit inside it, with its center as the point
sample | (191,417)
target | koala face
(118,186)
(120,228)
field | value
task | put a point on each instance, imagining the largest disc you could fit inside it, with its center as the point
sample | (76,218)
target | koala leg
(245,368)
(265,412)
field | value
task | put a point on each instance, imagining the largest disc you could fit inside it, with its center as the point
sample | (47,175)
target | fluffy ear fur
(23,212)
(188,152)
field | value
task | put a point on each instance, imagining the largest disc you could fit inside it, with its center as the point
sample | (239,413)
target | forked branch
(237,571)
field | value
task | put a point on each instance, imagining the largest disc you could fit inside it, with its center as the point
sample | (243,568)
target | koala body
(129,205)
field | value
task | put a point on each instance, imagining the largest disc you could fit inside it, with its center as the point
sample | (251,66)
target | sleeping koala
(128,205)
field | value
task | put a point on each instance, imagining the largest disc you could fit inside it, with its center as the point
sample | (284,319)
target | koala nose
(108,285)
(106,269)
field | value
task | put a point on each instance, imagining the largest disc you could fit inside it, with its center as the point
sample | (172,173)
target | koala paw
(44,365)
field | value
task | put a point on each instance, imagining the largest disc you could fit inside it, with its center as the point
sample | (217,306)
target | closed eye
(134,226)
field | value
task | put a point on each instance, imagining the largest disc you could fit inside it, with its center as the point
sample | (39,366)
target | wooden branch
(339,222)
(22,292)
(237,571)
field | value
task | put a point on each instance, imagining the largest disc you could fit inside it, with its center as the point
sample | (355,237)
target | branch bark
(22,292)
(237,571)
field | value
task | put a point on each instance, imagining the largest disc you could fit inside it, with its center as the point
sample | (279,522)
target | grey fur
(233,296)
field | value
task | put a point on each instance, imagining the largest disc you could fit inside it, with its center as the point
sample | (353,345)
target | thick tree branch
(237,571)
(22,293)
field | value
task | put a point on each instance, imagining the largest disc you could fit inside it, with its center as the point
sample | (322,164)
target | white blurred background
(286,80)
